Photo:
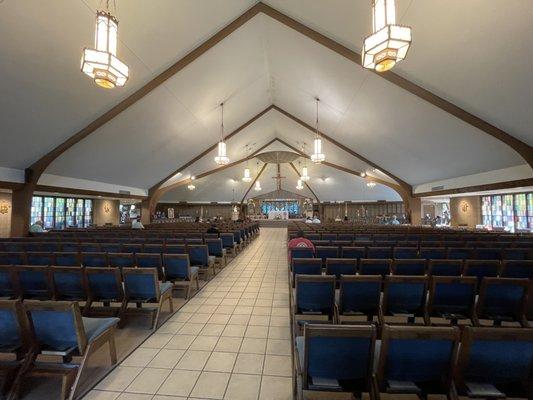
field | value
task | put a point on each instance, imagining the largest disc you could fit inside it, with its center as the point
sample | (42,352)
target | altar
(274,214)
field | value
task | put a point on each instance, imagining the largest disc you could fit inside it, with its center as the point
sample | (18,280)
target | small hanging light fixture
(101,63)
(317,157)
(257,187)
(191,184)
(305,175)
(222,158)
(247,176)
(388,44)
(299,185)
(371,185)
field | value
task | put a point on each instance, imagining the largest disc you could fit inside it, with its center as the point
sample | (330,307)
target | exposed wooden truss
(253,182)
(305,183)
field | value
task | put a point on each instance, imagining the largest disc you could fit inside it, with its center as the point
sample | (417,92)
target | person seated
(316,220)
(308,220)
(213,229)
(37,227)
(300,241)
(137,224)
(394,220)
(345,218)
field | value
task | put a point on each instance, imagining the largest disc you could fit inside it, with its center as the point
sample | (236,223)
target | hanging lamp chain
(222,123)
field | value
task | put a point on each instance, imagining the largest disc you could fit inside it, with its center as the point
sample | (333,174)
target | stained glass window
(71,212)
(520,207)
(508,212)
(36,213)
(48,213)
(88,217)
(530,210)
(486,210)
(497,212)
(292,206)
(60,213)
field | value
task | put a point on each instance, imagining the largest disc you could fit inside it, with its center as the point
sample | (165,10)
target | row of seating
(413,252)
(315,298)
(397,236)
(420,361)
(228,240)
(33,329)
(365,266)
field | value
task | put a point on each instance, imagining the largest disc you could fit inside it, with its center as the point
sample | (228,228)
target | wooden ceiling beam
(343,147)
(520,147)
(305,183)
(479,188)
(253,182)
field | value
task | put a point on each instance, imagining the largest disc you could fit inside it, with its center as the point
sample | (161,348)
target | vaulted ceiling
(475,63)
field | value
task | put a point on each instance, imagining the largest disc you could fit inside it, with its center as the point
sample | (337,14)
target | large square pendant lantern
(246,177)
(389,43)
(299,185)
(317,157)
(305,177)
(221,157)
(101,63)
(257,187)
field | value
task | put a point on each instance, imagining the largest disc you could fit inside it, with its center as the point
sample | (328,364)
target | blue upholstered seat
(67,259)
(405,252)
(301,252)
(445,267)
(404,295)
(315,294)
(11,258)
(341,266)
(353,252)
(177,267)
(33,282)
(432,253)
(7,289)
(409,267)
(69,283)
(481,268)
(215,247)
(459,253)
(517,269)
(374,266)
(306,266)
(94,260)
(121,260)
(378,252)
(324,252)
(228,240)
(10,333)
(104,284)
(452,298)
(503,299)
(39,258)
(359,295)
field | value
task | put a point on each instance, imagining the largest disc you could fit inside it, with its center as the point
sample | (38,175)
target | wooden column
(21,207)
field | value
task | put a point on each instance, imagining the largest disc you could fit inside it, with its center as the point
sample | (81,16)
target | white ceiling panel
(45,97)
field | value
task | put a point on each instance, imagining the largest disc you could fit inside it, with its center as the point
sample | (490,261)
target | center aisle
(231,341)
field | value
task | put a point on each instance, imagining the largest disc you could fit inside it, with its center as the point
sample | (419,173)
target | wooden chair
(403,296)
(359,296)
(334,361)
(104,285)
(60,330)
(445,267)
(33,282)
(15,340)
(341,266)
(495,363)
(305,266)
(179,271)
(199,257)
(314,299)
(411,267)
(69,283)
(503,300)
(215,249)
(451,298)
(417,360)
(380,267)
(141,286)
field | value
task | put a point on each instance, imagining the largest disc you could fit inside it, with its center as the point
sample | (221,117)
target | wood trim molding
(520,147)
(84,192)
(253,182)
(305,183)
(479,188)
(343,147)
(11,185)
(208,150)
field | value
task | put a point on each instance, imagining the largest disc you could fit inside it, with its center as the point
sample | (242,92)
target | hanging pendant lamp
(317,157)
(222,158)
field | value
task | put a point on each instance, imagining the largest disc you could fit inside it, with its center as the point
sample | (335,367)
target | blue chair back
(176,266)
(69,283)
(516,254)
(175,249)
(147,260)
(488,254)
(339,352)
(38,258)
(329,236)
(503,297)
(353,252)
(70,247)
(11,334)
(359,294)
(445,267)
(324,252)
(198,255)
(237,237)
(104,284)
(32,246)
(57,325)
(67,259)
(378,252)
(14,247)
(301,252)
(94,260)
(306,266)
(498,356)
(374,266)
(141,284)
(409,267)
(459,253)
(315,294)
(132,248)
(214,247)
(481,268)
(405,252)
(433,253)
(33,282)
(50,247)
(404,295)
(153,248)
(12,258)
(227,240)
(111,247)
(419,355)
(121,260)
(452,295)
(341,266)
(518,269)
(7,282)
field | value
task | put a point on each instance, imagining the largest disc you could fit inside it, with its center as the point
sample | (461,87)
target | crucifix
(278,177)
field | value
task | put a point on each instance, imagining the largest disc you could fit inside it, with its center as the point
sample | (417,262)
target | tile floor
(231,341)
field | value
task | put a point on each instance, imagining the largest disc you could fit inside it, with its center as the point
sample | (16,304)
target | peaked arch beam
(305,183)
(402,183)
(253,182)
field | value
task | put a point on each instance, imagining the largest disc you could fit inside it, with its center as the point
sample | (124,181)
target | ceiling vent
(434,188)
(126,192)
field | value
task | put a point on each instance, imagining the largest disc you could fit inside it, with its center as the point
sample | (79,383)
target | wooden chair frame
(400,261)
(432,263)
(160,297)
(434,280)
(373,261)
(187,284)
(342,318)
(415,332)
(87,310)
(391,279)
(311,317)
(525,283)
